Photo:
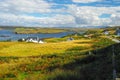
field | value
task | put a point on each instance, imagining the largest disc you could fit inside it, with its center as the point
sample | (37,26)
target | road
(113,58)
(115,40)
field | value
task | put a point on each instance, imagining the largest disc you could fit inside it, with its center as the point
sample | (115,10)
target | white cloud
(86,1)
(15,12)
(36,21)
(90,16)
(24,6)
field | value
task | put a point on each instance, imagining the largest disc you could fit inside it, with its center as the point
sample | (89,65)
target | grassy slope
(59,61)
(65,66)
(21,49)
(38,30)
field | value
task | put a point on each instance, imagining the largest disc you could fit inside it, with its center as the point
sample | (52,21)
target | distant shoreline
(38,30)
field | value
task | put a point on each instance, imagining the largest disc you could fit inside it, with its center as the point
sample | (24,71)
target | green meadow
(38,30)
(59,59)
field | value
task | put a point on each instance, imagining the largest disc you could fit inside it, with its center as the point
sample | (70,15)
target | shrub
(63,75)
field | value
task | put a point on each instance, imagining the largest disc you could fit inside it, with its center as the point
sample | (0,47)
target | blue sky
(60,13)
(85,3)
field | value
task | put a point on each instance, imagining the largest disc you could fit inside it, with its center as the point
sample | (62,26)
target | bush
(63,75)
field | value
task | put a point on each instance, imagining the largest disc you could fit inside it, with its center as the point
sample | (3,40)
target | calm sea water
(10,35)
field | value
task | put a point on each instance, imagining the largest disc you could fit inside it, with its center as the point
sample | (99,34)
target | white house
(70,39)
(106,32)
(34,40)
(40,41)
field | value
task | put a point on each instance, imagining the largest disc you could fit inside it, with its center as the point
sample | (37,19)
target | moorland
(84,58)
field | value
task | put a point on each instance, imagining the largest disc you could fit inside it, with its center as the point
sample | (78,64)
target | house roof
(70,38)
(32,38)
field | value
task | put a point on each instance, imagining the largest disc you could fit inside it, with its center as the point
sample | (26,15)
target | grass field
(21,49)
(48,61)
(38,30)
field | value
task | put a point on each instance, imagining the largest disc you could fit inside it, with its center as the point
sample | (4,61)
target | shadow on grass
(73,65)
(97,66)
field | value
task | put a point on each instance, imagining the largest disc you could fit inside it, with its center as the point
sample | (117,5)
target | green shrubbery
(102,42)
(63,75)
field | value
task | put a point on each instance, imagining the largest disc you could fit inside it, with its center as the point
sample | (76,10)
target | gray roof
(32,38)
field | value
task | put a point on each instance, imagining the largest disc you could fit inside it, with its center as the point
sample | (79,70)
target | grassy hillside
(70,60)
(38,30)
(21,49)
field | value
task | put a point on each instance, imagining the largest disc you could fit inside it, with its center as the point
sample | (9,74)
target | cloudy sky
(60,13)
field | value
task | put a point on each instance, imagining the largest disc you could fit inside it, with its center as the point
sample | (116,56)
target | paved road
(114,70)
(117,78)
(115,40)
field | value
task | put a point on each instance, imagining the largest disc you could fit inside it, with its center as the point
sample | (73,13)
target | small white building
(106,32)
(86,36)
(40,41)
(70,39)
(34,40)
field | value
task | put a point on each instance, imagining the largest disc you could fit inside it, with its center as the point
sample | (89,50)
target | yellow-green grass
(31,65)
(55,39)
(20,66)
(38,30)
(65,38)
(23,49)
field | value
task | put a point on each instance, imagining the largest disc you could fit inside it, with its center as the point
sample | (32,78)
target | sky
(60,13)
